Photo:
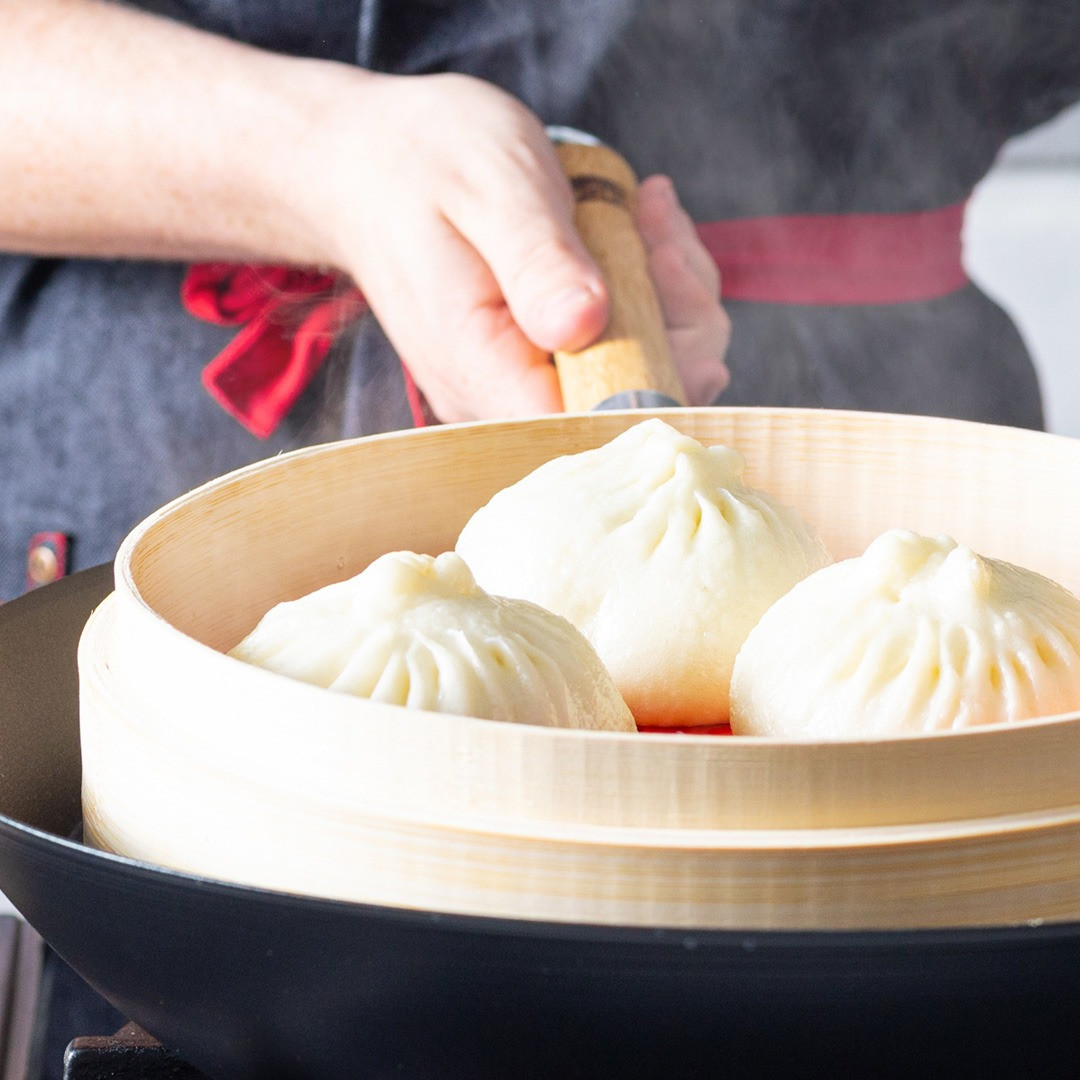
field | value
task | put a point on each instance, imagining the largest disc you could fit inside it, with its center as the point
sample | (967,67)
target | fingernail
(568,303)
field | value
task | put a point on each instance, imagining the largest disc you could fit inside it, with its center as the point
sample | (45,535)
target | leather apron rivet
(46,559)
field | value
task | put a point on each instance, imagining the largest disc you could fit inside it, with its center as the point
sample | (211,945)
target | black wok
(250,983)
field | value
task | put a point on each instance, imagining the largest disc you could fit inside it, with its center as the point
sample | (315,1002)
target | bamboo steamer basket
(199,762)
(196,761)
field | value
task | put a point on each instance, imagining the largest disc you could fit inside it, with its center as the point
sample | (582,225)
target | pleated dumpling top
(417,631)
(916,635)
(655,548)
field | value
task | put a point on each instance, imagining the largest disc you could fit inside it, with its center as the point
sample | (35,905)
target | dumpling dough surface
(657,551)
(416,631)
(914,636)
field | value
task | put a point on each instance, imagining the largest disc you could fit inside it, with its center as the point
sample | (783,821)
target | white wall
(1022,246)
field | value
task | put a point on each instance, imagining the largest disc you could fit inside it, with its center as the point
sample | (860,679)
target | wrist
(308,172)
(267,173)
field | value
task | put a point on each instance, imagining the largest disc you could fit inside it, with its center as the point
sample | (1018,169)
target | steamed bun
(657,551)
(916,635)
(417,631)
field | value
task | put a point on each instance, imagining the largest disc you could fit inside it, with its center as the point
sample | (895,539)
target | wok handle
(632,354)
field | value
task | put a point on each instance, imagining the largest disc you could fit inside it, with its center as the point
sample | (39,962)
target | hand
(450,210)
(440,195)
(688,286)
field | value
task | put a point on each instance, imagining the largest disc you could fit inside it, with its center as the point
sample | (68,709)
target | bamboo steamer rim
(823,839)
(316,698)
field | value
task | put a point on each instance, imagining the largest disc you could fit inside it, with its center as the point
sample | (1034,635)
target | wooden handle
(633,352)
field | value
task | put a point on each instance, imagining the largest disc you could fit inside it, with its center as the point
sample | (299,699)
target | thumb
(523,230)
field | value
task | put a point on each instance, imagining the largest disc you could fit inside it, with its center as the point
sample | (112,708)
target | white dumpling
(657,551)
(914,636)
(415,630)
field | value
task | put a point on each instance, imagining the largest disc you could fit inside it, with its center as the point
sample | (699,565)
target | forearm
(126,135)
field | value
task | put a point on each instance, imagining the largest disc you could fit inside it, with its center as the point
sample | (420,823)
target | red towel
(290,319)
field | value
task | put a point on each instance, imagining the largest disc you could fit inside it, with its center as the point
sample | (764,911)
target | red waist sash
(841,259)
(291,317)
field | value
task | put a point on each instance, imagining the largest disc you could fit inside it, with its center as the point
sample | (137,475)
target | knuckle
(705,343)
(718,320)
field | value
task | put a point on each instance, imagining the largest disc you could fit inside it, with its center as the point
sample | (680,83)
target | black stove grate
(130,1054)
(45,1010)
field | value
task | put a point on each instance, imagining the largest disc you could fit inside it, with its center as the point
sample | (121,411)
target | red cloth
(291,317)
(708,729)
